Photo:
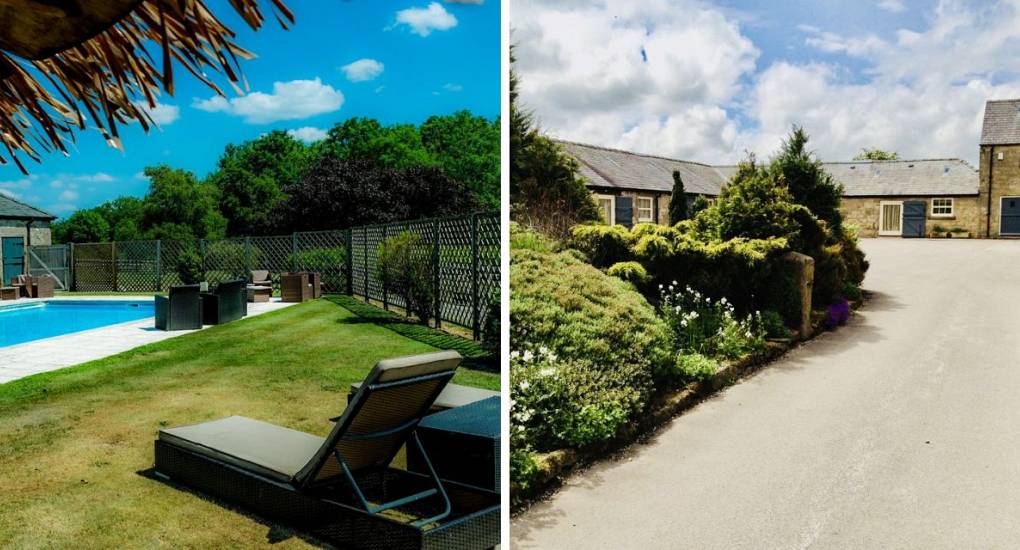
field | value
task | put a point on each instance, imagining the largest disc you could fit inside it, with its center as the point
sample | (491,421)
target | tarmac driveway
(899,431)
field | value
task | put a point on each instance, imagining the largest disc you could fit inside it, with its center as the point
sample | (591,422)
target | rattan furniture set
(343,487)
(27,286)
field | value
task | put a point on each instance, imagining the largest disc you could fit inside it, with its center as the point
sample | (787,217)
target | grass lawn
(73,442)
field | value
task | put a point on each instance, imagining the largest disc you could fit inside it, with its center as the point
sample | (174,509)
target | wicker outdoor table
(463,444)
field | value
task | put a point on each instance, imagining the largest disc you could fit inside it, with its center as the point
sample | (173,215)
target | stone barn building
(905,198)
(21,225)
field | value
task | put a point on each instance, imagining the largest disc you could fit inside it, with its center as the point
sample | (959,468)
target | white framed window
(645,209)
(890,218)
(607,203)
(941,208)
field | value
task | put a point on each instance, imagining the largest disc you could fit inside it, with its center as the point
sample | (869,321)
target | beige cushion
(266,449)
(453,395)
(399,368)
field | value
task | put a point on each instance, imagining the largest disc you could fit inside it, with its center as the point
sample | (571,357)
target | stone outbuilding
(21,225)
(905,198)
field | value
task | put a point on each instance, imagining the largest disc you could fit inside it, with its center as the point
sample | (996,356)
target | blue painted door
(13,252)
(1010,224)
(913,218)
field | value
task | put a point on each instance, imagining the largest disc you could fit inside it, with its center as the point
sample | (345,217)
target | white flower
(683,322)
(515,354)
(548,371)
(674,283)
(525,384)
(528,356)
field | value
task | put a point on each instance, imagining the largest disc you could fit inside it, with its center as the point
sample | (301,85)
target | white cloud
(362,70)
(680,78)
(307,134)
(293,100)
(20,183)
(453,87)
(893,6)
(633,74)
(9,193)
(162,114)
(140,176)
(423,21)
(475,2)
(68,195)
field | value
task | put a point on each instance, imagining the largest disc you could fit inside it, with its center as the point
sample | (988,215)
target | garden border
(554,465)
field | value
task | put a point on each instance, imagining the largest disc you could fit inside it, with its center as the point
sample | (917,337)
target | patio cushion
(269,450)
(411,366)
(452,396)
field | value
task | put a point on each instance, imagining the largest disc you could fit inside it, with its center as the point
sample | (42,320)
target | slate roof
(604,167)
(611,168)
(11,208)
(1002,122)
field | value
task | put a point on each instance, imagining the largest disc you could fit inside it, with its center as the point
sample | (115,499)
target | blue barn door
(1009,221)
(13,252)
(913,218)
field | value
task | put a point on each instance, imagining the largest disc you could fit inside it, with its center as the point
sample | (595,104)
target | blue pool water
(24,323)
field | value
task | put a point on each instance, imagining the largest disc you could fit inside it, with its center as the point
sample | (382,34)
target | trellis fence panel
(462,254)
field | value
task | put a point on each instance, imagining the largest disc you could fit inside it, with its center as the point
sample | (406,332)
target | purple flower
(837,314)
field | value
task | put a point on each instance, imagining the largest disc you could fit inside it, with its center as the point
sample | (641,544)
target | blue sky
(396,61)
(709,80)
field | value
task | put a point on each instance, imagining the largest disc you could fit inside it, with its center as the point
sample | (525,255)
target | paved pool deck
(67,350)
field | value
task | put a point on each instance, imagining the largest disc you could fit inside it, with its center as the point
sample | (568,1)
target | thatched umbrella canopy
(66,64)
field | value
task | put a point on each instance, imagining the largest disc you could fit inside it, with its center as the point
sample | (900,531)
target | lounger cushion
(400,368)
(263,448)
(452,396)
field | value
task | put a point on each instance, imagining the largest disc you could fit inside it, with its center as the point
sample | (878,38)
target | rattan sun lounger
(342,487)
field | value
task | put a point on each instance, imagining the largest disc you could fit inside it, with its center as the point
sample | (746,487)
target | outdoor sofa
(181,309)
(226,302)
(342,487)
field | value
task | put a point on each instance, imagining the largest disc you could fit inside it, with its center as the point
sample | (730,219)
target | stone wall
(11,228)
(1005,182)
(863,212)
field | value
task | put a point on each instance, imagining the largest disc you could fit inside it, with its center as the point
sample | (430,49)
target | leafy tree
(876,154)
(250,177)
(809,184)
(396,146)
(124,215)
(677,200)
(179,207)
(546,191)
(84,226)
(343,193)
(467,148)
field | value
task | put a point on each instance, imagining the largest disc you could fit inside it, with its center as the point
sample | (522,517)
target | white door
(890,218)
(608,205)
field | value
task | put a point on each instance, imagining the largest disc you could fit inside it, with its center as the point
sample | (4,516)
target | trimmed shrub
(327,261)
(189,267)
(526,239)
(405,268)
(694,367)
(631,272)
(773,325)
(603,245)
(490,328)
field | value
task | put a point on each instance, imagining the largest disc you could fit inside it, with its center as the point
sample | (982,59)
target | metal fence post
(476,325)
(368,293)
(113,259)
(72,284)
(247,255)
(159,265)
(435,272)
(294,252)
(349,262)
(385,292)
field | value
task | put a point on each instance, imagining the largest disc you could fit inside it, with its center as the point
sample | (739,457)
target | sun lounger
(452,396)
(181,309)
(342,487)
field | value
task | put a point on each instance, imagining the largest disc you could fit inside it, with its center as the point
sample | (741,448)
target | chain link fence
(463,253)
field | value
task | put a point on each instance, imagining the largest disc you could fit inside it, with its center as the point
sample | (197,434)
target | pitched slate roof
(11,208)
(1002,122)
(611,168)
(604,167)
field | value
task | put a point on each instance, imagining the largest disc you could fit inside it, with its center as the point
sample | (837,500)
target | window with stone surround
(941,208)
(644,209)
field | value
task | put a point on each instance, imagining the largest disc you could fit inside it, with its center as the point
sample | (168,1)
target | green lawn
(74,442)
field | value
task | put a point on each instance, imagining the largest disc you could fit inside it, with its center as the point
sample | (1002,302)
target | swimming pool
(26,322)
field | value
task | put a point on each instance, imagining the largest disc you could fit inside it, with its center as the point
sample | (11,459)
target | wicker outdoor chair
(181,309)
(227,302)
(342,487)
(260,289)
(42,286)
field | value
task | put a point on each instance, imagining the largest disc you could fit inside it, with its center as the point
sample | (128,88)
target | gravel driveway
(901,430)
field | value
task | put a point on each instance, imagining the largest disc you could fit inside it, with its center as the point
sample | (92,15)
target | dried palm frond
(107,76)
